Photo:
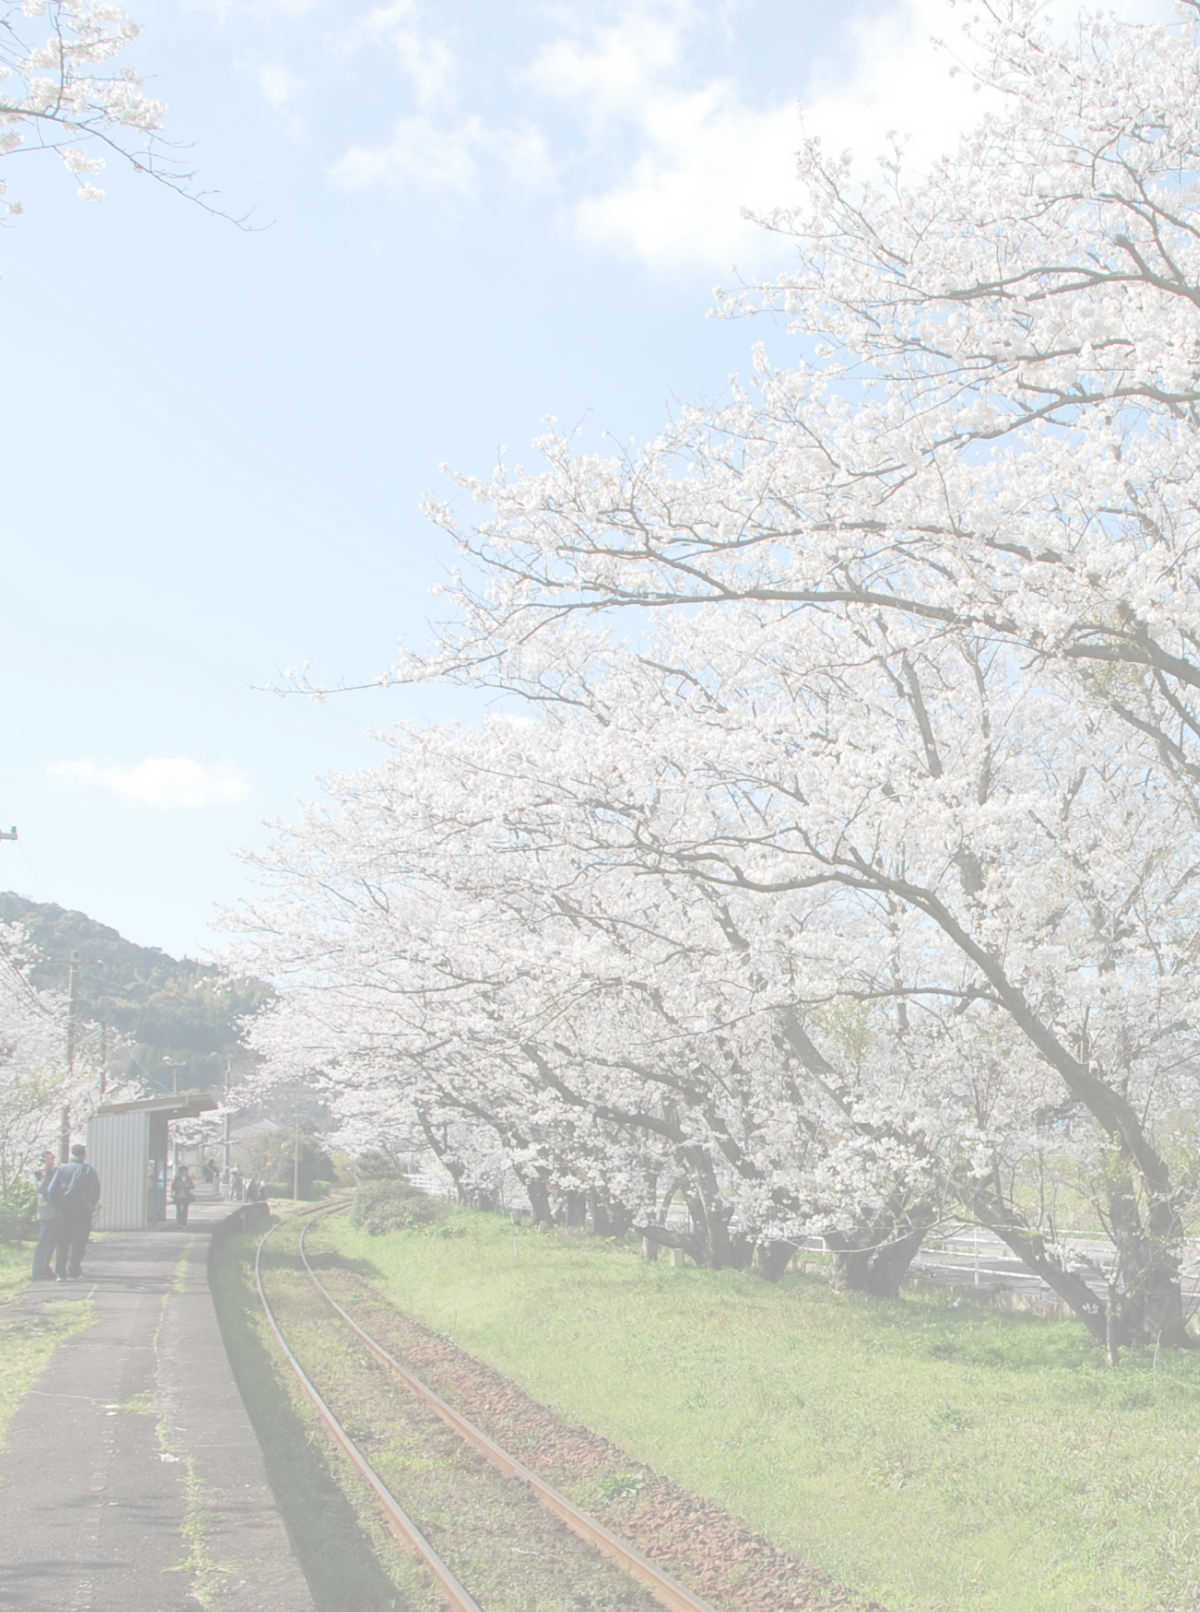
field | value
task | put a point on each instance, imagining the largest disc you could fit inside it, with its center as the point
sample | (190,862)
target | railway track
(637,1582)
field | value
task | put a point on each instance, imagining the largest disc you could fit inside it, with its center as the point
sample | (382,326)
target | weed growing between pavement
(339,1557)
(207,1577)
(27,1340)
(939,1458)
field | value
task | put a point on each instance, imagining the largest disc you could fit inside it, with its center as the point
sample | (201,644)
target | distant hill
(181,1015)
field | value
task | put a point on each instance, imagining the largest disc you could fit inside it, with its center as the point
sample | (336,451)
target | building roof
(255,1127)
(175,1105)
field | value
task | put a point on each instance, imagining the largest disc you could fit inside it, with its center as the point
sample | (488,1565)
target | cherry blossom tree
(869,855)
(62,90)
(38,1078)
(613,1035)
(961,523)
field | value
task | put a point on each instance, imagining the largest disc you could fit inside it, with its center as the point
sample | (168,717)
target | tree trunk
(772,1259)
(875,1257)
(1148,1300)
(1145,1293)
(1143,1302)
(538,1193)
(878,1271)
(656,1236)
(609,1217)
(1000,1217)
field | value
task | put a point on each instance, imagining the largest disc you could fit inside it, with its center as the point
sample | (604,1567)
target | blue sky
(466,217)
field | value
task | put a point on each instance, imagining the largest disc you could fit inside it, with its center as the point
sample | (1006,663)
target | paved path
(130,1479)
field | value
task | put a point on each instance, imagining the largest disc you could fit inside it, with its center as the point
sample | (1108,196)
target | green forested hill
(182,1016)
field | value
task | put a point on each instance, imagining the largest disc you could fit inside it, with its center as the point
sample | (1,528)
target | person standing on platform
(47,1216)
(182,1191)
(74,1190)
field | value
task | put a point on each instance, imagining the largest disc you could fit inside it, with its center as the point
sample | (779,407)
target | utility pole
(103,1004)
(64,1139)
(226,1138)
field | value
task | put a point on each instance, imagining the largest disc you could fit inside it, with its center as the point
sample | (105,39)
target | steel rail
(665,1589)
(456,1595)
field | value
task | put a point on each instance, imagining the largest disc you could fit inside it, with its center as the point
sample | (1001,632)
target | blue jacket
(74,1188)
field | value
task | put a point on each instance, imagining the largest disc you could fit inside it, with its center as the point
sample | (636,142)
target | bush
(18,1207)
(394,1205)
(377,1165)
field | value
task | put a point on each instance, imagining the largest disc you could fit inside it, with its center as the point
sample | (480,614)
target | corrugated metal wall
(118,1145)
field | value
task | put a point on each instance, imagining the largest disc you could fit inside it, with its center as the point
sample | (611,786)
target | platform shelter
(128,1144)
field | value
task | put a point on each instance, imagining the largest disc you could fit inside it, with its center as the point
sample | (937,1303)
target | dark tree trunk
(1142,1303)
(991,1210)
(875,1257)
(655,1237)
(609,1217)
(598,1214)
(772,1259)
(875,1270)
(1145,1295)
(538,1194)
(1146,1304)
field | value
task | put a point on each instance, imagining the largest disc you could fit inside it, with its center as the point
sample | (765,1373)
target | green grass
(15,1262)
(28,1338)
(941,1459)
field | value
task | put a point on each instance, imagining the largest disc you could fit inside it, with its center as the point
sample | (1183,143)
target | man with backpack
(74,1190)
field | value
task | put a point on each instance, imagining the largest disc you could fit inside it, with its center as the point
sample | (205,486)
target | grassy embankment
(943,1459)
(28,1338)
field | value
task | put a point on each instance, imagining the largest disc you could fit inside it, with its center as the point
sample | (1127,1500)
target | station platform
(131,1479)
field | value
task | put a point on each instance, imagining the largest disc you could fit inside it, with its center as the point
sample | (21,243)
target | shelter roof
(175,1105)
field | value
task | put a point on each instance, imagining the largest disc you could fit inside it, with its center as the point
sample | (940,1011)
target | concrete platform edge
(241,1558)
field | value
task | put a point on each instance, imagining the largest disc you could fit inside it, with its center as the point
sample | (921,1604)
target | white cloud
(704,152)
(425,58)
(702,155)
(662,160)
(427,64)
(230,10)
(434,148)
(167,781)
(622,66)
(900,80)
(446,159)
(524,156)
(705,158)
(419,156)
(279,84)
